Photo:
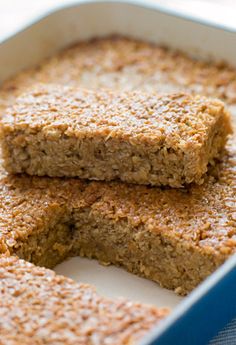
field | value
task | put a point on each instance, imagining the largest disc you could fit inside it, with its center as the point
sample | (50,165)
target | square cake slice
(176,237)
(139,138)
(39,307)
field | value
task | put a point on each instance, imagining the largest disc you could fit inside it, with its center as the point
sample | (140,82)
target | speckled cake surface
(43,220)
(39,307)
(174,237)
(128,64)
(133,136)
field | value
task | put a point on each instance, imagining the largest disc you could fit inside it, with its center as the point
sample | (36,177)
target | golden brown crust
(125,64)
(203,215)
(38,305)
(175,119)
(150,231)
(195,227)
(137,137)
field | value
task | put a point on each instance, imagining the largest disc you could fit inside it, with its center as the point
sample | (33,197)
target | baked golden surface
(125,64)
(175,237)
(39,307)
(134,136)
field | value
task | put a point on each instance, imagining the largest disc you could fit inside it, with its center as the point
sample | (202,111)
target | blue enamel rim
(200,316)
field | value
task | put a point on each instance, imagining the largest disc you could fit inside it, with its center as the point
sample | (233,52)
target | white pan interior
(68,25)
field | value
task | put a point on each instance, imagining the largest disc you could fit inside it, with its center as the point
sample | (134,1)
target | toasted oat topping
(126,64)
(38,305)
(201,216)
(175,120)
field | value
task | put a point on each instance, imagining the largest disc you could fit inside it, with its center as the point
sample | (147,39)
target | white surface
(16,13)
(112,281)
(99,19)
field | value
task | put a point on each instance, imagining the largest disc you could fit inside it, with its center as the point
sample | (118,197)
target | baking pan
(198,317)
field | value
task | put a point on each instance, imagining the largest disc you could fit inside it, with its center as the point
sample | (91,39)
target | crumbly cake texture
(176,237)
(136,137)
(126,64)
(36,304)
